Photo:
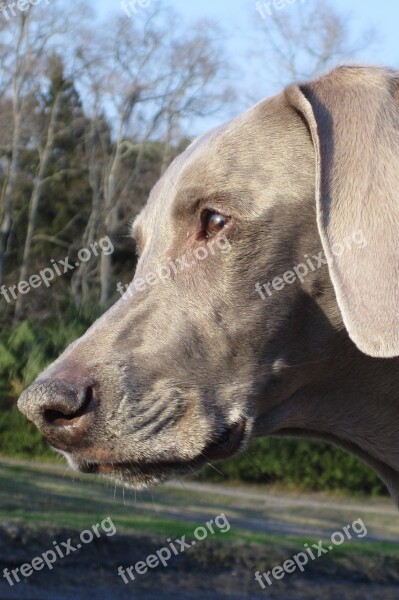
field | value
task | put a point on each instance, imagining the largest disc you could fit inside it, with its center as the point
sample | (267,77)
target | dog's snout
(62,410)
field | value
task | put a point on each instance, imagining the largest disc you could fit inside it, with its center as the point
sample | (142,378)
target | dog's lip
(227,444)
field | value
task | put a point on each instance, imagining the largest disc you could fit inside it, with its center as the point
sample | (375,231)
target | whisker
(215,469)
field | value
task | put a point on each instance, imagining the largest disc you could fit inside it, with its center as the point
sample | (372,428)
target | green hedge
(25,351)
(21,439)
(298,464)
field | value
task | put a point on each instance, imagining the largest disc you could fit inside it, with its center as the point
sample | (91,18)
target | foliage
(25,351)
(298,464)
(21,439)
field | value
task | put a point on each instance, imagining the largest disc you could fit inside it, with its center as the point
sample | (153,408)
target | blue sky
(237,18)
(383,15)
(234,14)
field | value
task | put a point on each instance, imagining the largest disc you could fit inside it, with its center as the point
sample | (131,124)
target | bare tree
(45,148)
(304,39)
(18,78)
(148,80)
(25,42)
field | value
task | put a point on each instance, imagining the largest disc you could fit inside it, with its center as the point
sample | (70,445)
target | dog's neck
(352,402)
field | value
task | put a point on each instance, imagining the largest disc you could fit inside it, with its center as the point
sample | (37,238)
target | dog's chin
(142,474)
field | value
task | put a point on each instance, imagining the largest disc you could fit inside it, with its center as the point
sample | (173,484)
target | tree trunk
(35,201)
(7,201)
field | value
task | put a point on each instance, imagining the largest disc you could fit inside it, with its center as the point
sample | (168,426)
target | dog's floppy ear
(353,118)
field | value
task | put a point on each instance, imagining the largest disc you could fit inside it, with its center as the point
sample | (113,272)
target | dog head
(260,254)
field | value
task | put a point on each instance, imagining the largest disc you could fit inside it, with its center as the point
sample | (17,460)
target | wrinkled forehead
(226,165)
(198,172)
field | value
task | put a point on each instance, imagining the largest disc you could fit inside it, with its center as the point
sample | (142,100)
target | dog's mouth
(140,473)
(228,443)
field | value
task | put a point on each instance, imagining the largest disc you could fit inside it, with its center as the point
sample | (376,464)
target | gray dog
(265,300)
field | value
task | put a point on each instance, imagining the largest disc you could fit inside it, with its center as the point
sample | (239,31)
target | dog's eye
(213,223)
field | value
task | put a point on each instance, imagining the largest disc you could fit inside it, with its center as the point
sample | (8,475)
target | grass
(47,496)
(43,502)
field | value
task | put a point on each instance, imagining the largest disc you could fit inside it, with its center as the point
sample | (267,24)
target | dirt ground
(215,571)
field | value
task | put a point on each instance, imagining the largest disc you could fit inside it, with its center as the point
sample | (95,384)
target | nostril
(62,418)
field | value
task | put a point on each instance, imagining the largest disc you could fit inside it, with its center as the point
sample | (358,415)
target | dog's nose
(61,410)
